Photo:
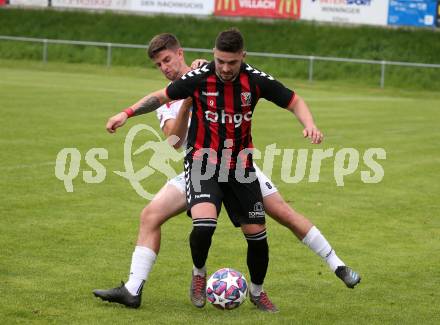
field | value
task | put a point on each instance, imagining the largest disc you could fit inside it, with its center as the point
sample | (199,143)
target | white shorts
(266,185)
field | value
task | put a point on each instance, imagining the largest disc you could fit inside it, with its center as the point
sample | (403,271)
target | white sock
(141,263)
(201,272)
(317,243)
(256,289)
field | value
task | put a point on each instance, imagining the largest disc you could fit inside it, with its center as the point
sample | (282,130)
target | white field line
(25,166)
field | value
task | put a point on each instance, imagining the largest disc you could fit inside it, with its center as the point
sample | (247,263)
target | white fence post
(312,59)
(45,51)
(109,55)
(382,74)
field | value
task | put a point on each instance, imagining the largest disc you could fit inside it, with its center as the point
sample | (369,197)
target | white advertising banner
(372,12)
(193,7)
(33,3)
(93,4)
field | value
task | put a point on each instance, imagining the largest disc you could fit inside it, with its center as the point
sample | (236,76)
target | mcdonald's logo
(226,5)
(259,8)
(289,7)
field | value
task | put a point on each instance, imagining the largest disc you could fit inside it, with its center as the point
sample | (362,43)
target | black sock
(200,240)
(257,256)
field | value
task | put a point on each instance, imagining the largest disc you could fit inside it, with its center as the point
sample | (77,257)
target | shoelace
(199,284)
(264,299)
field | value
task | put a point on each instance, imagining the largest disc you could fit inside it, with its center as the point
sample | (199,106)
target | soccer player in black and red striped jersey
(224,94)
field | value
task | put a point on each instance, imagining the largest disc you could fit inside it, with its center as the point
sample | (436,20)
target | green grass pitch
(57,246)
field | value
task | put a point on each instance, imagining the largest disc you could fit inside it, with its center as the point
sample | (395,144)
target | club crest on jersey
(246,99)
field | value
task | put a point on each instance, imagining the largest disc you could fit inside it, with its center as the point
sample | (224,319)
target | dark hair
(165,41)
(229,40)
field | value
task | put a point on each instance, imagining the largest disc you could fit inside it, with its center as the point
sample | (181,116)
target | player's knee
(203,230)
(252,228)
(256,237)
(151,217)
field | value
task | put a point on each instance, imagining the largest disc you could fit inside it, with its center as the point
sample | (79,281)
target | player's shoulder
(199,73)
(256,73)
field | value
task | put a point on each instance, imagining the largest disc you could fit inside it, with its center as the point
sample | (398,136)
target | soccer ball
(226,289)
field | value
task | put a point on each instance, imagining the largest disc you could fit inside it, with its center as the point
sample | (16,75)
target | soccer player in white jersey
(167,54)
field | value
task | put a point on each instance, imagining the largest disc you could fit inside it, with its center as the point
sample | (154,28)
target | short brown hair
(229,40)
(165,41)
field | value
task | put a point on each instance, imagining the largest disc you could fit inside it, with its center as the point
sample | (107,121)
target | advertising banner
(33,3)
(371,12)
(438,14)
(2,2)
(285,9)
(412,12)
(93,4)
(192,7)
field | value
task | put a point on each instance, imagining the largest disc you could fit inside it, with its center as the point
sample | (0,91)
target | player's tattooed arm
(150,103)
(147,104)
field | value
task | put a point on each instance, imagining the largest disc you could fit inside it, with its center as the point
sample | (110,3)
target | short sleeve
(168,111)
(271,89)
(164,113)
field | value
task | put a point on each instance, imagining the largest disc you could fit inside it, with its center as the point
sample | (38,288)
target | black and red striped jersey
(222,111)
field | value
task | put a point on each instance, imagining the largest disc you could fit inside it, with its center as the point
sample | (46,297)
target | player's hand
(116,121)
(198,63)
(313,133)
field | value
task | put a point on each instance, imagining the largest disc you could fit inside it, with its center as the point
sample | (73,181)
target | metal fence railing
(310,58)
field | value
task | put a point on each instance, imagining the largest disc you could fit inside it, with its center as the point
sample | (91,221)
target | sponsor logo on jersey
(223,117)
(200,196)
(204,93)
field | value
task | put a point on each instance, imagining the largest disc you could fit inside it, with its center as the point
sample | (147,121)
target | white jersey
(169,111)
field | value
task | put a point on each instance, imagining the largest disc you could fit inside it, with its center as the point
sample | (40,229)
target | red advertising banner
(285,9)
(2,2)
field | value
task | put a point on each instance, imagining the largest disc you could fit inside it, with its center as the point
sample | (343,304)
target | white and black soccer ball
(226,289)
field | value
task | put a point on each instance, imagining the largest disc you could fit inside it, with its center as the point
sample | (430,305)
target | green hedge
(305,38)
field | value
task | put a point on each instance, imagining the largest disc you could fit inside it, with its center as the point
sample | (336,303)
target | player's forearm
(148,104)
(302,112)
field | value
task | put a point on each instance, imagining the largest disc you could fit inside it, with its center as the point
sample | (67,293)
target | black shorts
(243,201)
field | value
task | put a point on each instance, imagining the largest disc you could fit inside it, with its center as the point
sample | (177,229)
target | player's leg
(204,217)
(168,202)
(258,261)
(304,230)
(203,204)
(243,201)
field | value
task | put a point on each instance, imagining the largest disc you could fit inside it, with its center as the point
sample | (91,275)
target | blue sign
(412,13)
